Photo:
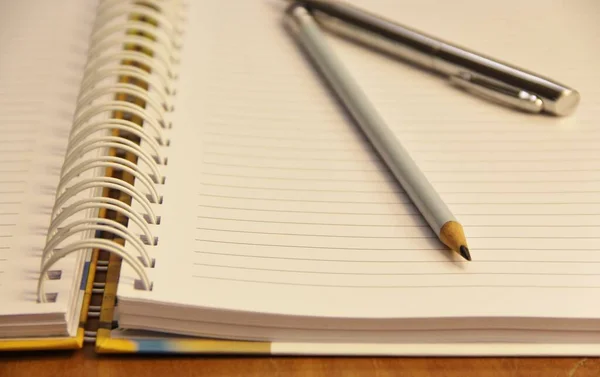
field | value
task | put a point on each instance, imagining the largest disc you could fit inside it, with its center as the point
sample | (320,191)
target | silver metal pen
(306,31)
(484,76)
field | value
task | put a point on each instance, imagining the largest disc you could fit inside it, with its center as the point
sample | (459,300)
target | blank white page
(42,52)
(274,202)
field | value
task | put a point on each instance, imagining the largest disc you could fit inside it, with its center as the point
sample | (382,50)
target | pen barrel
(374,32)
(455,61)
(398,160)
(436,55)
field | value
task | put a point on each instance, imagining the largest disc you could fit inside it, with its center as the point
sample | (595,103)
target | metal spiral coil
(127,88)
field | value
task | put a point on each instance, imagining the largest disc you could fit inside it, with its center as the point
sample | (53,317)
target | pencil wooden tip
(464,252)
(453,236)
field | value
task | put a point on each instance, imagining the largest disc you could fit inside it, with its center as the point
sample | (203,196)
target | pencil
(300,23)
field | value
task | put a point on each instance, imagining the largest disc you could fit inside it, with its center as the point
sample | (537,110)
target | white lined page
(41,63)
(275,203)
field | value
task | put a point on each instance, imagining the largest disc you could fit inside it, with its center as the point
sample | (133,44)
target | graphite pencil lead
(464,252)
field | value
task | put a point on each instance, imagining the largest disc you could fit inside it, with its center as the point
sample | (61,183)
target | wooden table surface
(86,363)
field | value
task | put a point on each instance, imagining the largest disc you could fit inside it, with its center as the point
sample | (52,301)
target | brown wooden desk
(86,363)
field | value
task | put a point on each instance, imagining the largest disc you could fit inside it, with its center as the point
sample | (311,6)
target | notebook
(257,219)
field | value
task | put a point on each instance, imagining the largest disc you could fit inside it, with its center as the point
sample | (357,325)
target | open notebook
(274,228)
(280,224)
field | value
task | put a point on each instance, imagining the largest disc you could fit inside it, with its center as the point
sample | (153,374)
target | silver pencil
(306,31)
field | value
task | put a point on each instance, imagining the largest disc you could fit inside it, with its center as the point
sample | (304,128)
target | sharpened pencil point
(464,252)
(453,236)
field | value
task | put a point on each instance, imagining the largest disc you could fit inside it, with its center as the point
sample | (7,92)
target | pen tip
(464,252)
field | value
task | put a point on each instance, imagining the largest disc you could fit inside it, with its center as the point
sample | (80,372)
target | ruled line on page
(245,254)
(342,142)
(14,141)
(399,286)
(403,132)
(296,200)
(315,235)
(311,247)
(381,177)
(324,152)
(329,148)
(292,200)
(287,168)
(14,161)
(304,223)
(301,211)
(25,124)
(298,189)
(484,197)
(542,173)
(377,169)
(214,184)
(413,126)
(288,148)
(386,261)
(403,237)
(394,249)
(15,151)
(388,178)
(478,224)
(423,232)
(234,162)
(447,159)
(316,137)
(411,212)
(461,273)
(300,158)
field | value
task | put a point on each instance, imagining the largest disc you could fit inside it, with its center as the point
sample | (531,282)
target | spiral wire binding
(118,139)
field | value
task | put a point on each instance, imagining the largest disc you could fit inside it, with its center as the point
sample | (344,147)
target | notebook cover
(105,343)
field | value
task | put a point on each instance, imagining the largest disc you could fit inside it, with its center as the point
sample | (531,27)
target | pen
(478,74)
(305,30)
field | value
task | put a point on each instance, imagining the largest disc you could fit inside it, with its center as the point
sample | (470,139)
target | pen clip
(498,92)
